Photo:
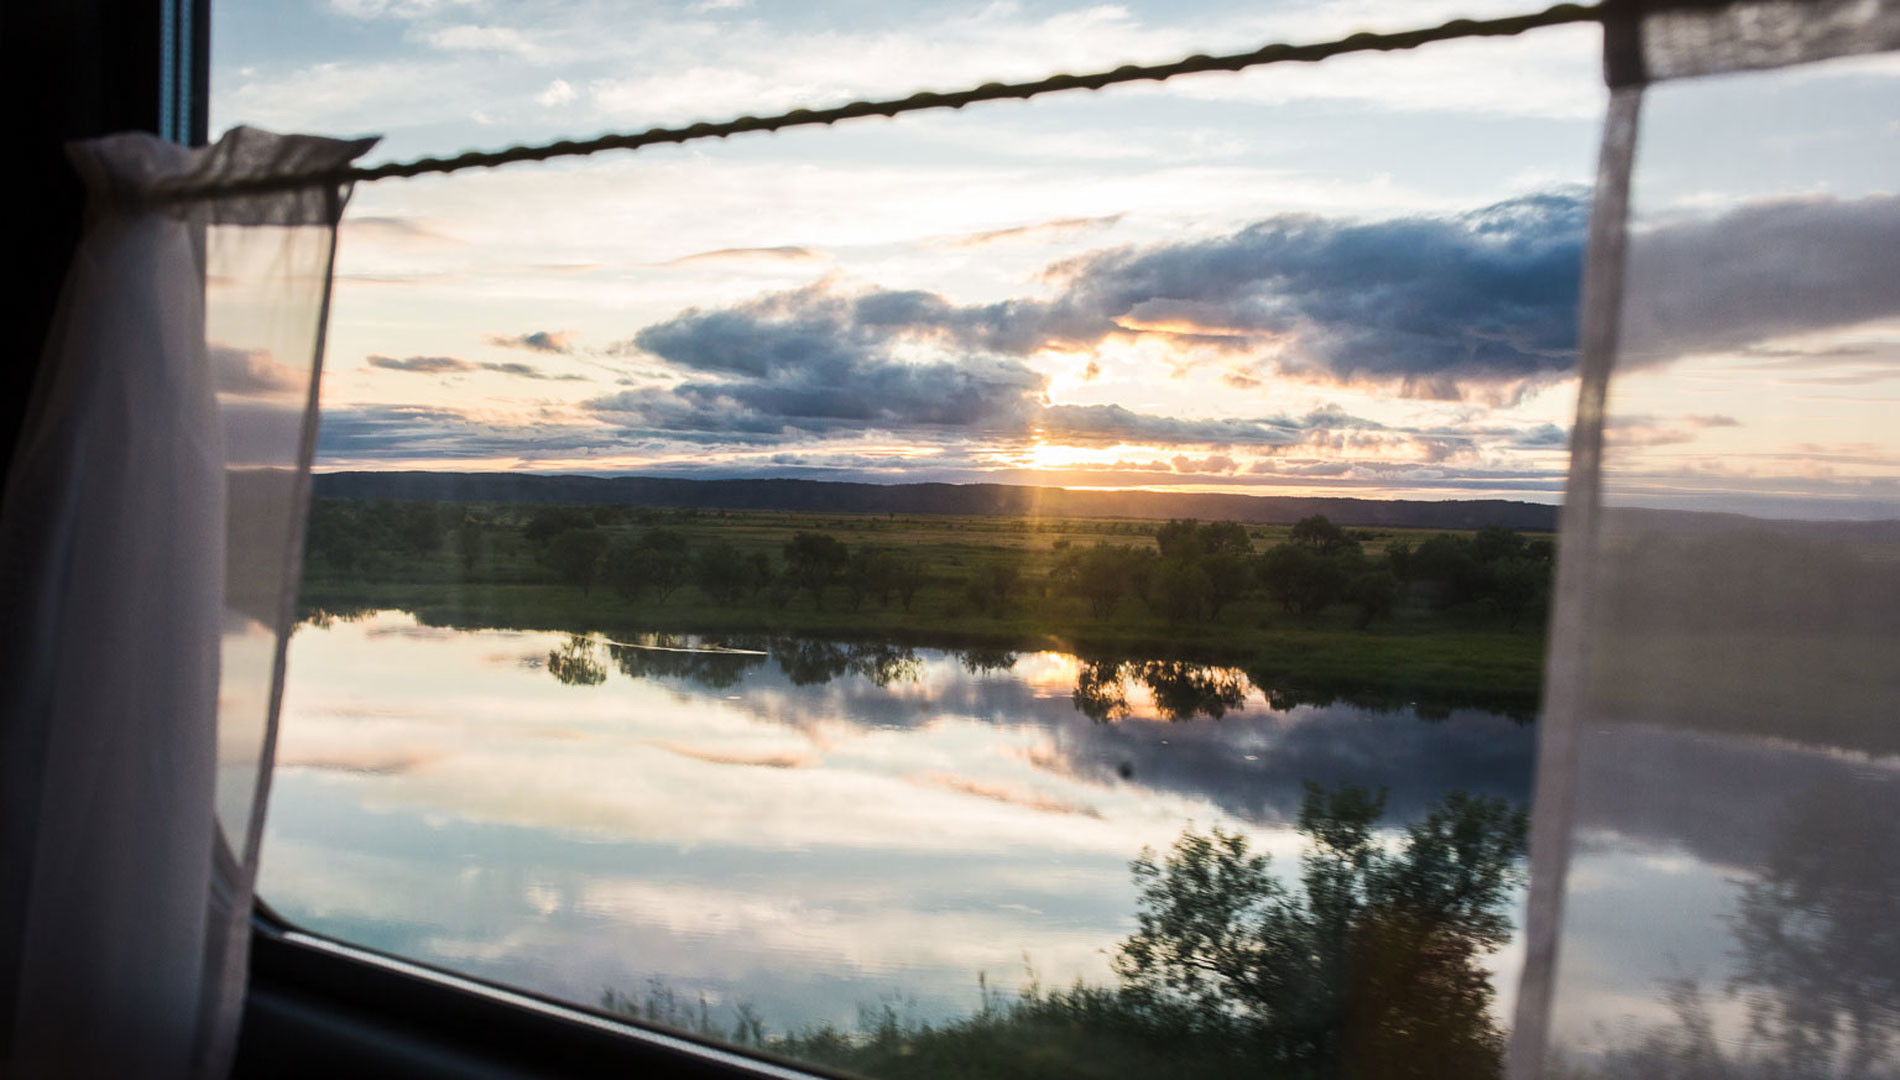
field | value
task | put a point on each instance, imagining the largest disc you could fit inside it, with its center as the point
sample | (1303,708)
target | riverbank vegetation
(1396,614)
(1368,963)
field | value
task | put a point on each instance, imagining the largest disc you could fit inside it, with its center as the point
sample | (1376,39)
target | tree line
(1192,572)
(1196,570)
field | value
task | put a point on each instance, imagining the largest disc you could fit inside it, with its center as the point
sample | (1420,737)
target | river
(807,828)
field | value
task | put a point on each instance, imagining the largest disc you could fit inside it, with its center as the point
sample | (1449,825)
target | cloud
(1729,280)
(1047,230)
(1427,306)
(558,92)
(395,227)
(783,252)
(1031,800)
(529,371)
(252,372)
(1213,463)
(1638,429)
(814,360)
(1476,304)
(1109,424)
(541,341)
(401,9)
(782,759)
(484,39)
(426,432)
(427,365)
(1480,305)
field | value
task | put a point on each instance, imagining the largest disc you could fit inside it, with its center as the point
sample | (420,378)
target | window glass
(1053,586)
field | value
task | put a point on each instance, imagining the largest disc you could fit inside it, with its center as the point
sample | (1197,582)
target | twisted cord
(1507,26)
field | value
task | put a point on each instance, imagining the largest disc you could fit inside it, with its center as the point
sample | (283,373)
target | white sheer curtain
(1716,839)
(149,549)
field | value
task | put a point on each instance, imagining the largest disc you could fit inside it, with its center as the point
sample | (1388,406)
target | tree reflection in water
(1366,963)
(1817,945)
(809,662)
(1818,934)
(1100,691)
(986,661)
(1180,690)
(670,656)
(575,664)
(1177,689)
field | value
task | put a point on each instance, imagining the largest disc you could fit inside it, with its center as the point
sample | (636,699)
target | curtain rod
(1506,26)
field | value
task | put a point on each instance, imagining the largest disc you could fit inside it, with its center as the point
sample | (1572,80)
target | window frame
(319,1007)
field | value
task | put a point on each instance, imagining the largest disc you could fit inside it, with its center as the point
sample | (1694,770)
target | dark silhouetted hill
(999,500)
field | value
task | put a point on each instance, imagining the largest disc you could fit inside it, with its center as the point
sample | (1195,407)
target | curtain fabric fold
(1716,837)
(149,548)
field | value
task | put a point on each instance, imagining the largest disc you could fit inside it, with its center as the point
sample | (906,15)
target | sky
(1358,277)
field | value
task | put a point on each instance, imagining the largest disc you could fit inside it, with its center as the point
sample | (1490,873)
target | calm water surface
(808,827)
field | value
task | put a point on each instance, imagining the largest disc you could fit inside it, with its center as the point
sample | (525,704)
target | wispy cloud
(1061,228)
(483,39)
(426,365)
(779,253)
(770,759)
(529,371)
(1027,799)
(541,341)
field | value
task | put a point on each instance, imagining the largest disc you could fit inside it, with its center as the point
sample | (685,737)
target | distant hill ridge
(991,500)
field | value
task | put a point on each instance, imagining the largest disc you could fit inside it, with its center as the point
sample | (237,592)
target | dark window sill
(320,1008)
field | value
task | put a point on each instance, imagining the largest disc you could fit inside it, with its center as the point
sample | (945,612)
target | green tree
(575,557)
(813,561)
(907,577)
(1373,595)
(548,522)
(1301,578)
(1103,574)
(1180,591)
(1520,586)
(657,561)
(1495,543)
(1398,558)
(470,540)
(420,528)
(872,571)
(725,576)
(1179,539)
(1319,533)
(1228,576)
(668,561)
(1225,538)
(993,587)
(1447,564)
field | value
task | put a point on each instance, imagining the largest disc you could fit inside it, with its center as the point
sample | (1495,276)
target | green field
(1441,636)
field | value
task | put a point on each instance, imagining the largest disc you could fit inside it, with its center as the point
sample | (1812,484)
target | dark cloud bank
(1428,306)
